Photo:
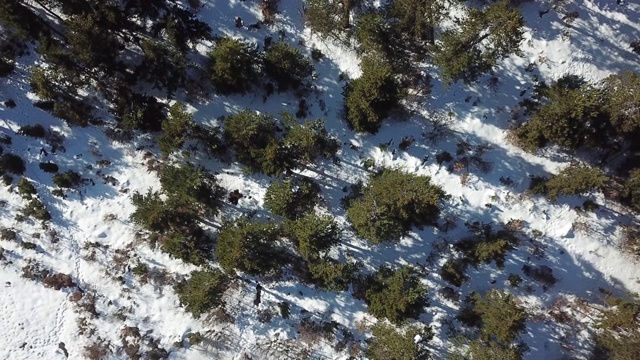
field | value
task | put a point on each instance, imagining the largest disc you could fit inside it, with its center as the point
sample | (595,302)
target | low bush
(313,235)
(48,167)
(36,131)
(69,179)
(12,164)
(572,180)
(26,188)
(398,344)
(36,209)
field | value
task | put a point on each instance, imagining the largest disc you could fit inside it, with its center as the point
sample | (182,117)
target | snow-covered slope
(91,238)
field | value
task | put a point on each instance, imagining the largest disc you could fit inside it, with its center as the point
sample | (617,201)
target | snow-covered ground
(91,238)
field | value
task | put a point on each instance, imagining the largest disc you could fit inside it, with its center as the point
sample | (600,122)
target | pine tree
(287,66)
(483,37)
(313,235)
(392,203)
(250,134)
(177,129)
(370,98)
(233,66)
(396,295)
(202,291)
(292,198)
(250,247)
(622,101)
(398,344)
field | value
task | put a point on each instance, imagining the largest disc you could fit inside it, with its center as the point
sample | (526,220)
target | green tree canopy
(233,66)
(482,38)
(392,203)
(202,291)
(371,97)
(292,198)
(250,247)
(396,294)
(287,66)
(314,235)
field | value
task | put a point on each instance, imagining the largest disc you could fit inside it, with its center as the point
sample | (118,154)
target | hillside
(466,223)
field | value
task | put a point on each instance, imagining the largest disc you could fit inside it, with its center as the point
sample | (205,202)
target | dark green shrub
(314,235)
(7,179)
(590,206)
(501,317)
(188,243)
(69,179)
(392,203)
(12,164)
(316,54)
(327,19)
(389,343)
(139,112)
(453,272)
(36,131)
(190,187)
(542,274)
(572,180)
(622,96)
(202,291)
(480,40)
(631,190)
(568,113)
(141,269)
(287,66)
(292,198)
(250,247)
(332,275)
(48,167)
(151,211)
(486,245)
(8,234)
(249,134)
(26,188)
(371,97)
(618,336)
(514,280)
(308,141)
(233,66)
(177,129)
(396,294)
(28,245)
(35,208)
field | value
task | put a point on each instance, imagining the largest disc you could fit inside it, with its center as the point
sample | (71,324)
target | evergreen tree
(313,235)
(392,203)
(139,112)
(233,66)
(618,337)
(308,141)
(396,294)
(292,198)
(324,18)
(573,180)
(250,134)
(332,275)
(176,129)
(417,19)
(483,37)
(568,114)
(202,291)
(163,65)
(287,66)
(370,98)
(250,247)
(187,186)
(622,101)
(390,343)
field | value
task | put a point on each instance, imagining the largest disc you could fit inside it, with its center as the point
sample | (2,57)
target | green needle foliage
(202,291)
(392,203)
(396,295)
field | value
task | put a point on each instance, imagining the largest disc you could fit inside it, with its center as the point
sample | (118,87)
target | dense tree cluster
(259,148)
